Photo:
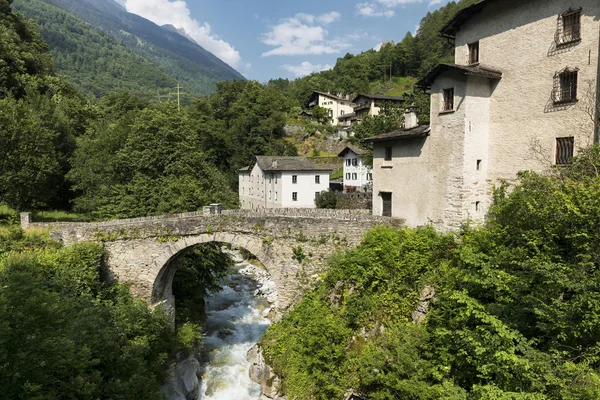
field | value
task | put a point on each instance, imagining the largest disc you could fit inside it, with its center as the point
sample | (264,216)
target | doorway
(386,197)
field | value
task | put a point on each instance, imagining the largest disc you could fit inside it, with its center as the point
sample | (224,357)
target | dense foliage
(514,314)
(63,334)
(199,271)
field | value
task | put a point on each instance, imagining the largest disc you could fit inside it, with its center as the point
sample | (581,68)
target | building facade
(521,95)
(371,104)
(281,182)
(337,106)
(357,176)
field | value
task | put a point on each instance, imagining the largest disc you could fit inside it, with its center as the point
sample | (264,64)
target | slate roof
(378,97)
(453,26)
(475,70)
(266,163)
(357,150)
(420,131)
(330,95)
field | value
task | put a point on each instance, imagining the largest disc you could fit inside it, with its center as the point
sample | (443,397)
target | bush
(326,199)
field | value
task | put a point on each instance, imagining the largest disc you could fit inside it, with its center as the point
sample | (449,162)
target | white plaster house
(337,105)
(281,182)
(520,96)
(357,176)
(371,104)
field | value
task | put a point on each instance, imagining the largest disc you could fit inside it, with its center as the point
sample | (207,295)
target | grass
(339,173)
(397,87)
(59,216)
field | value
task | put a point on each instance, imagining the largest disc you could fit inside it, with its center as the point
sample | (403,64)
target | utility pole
(179,93)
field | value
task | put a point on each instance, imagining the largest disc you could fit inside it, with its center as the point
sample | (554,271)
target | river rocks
(262,374)
(183,382)
(265,286)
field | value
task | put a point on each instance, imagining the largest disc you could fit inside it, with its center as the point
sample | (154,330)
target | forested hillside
(101,48)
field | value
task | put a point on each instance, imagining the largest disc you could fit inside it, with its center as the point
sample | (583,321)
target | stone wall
(357,201)
(293,244)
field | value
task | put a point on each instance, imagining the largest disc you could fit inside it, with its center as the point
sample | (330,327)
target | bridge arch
(166,263)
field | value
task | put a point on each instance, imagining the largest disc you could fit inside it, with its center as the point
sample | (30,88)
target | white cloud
(305,68)
(383,8)
(304,34)
(373,10)
(177,13)
(329,17)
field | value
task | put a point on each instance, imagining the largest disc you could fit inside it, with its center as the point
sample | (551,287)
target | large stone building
(522,94)
(281,182)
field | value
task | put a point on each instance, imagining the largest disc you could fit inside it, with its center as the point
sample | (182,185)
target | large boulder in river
(183,383)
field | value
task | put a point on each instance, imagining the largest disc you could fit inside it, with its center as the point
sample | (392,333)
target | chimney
(274,163)
(411,119)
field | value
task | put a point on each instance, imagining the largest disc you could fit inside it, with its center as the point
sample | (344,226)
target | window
(477,206)
(294,196)
(354,176)
(317,178)
(565,86)
(448,104)
(348,176)
(275,196)
(354,162)
(569,27)
(388,154)
(564,150)
(294,178)
(270,178)
(276,175)
(369,176)
(342,112)
(316,194)
(478,165)
(269,195)
(474,53)
(330,113)
(242,190)
(348,162)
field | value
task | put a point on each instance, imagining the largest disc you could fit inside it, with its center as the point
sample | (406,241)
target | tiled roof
(356,150)
(378,97)
(475,70)
(419,131)
(275,163)
(453,26)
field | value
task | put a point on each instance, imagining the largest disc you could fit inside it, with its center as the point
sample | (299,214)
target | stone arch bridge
(141,251)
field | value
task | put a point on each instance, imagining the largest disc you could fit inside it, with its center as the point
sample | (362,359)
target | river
(235,322)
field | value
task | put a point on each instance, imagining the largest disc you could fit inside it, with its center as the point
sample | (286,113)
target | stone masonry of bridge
(142,251)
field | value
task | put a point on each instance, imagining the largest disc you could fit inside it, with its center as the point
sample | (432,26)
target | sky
(269,39)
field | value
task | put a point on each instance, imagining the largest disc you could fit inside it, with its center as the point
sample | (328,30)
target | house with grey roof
(523,93)
(357,175)
(281,182)
(371,104)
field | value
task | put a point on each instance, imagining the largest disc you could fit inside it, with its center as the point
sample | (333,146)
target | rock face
(183,382)
(262,374)
(427,295)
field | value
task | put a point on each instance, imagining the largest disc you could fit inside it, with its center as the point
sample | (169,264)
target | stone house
(336,104)
(371,104)
(357,176)
(522,94)
(281,182)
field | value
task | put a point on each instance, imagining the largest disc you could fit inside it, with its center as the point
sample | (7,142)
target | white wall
(360,170)
(337,106)
(305,187)
(258,190)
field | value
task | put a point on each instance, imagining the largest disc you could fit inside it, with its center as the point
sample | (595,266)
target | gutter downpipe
(597,120)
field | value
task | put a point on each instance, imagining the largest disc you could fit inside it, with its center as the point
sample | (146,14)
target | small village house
(281,182)
(357,175)
(337,106)
(522,94)
(371,104)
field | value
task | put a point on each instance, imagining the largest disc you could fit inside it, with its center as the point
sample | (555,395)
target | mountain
(100,47)
(181,31)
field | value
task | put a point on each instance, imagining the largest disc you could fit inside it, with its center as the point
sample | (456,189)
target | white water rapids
(235,323)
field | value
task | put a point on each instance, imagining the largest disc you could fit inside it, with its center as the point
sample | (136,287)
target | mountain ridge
(171,54)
